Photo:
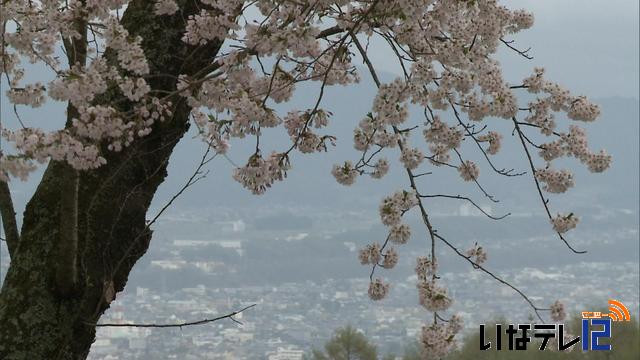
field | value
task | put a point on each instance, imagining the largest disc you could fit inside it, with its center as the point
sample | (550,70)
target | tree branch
(502,171)
(475,265)
(180,325)
(197,175)
(329,31)
(8,218)
(523,53)
(425,217)
(459,197)
(535,179)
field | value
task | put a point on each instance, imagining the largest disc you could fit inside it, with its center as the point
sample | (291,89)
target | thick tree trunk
(37,321)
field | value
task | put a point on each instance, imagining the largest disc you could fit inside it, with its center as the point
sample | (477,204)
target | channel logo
(618,312)
(596,326)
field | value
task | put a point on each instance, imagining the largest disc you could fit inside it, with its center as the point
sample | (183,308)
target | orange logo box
(618,312)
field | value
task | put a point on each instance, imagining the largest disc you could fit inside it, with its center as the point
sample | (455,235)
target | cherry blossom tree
(137,74)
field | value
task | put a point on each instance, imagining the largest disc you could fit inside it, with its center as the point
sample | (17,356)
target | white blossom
(380,169)
(468,170)
(425,268)
(344,174)
(535,82)
(558,313)
(411,158)
(494,139)
(564,223)
(582,109)
(259,174)
(438,339)
(370,254)
(390,258)
(555,181)
(378,289)
(477,254)
(400,233)
(433,296)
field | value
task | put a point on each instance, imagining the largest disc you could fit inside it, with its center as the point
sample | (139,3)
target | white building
(288,353)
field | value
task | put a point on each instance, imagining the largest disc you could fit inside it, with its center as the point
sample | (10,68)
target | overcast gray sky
(590,46)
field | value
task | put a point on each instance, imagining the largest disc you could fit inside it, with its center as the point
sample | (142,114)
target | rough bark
(36,320)
(8,215)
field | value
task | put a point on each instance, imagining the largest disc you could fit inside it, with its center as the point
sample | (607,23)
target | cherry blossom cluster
(393,207)
(380,168)
(16,167)
(91,127)
(556,181)
(441,139)
(370,254)
(438,339)
(494,139)
(299,127)
(370,132)
(378,289)
(411,158)
(558,312)
(446,50)
(131,57)
(431,295)
(210,25)
(400,233)
(32,95)
(38,145)
(563,223)
(389,109)
(391,210)
(212,131)
(469,171)
(80,85)
(477,254)
(574,143)
(259,174)
(345,174)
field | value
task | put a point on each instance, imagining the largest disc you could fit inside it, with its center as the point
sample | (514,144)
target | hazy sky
(590,46)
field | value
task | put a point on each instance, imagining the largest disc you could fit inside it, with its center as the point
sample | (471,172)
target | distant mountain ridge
(310,181)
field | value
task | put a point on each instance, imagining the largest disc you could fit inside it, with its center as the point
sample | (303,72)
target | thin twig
(423,211)
(523,53)
(195,177)
(536,309)
(542,198)
(475,180)
(459,197)
(179,325)
(503,171)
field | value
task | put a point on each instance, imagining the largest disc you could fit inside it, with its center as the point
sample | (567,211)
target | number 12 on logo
(592,341)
